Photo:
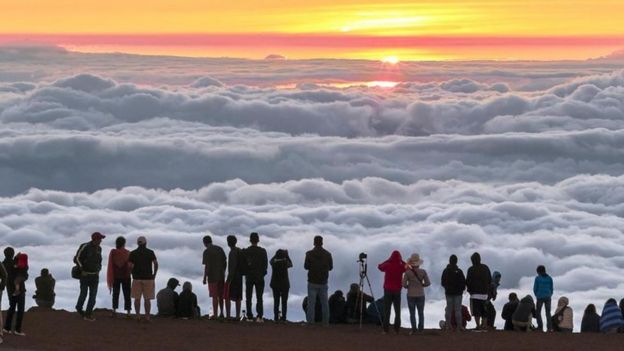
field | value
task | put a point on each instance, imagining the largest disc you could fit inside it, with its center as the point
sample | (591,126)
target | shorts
(143,288)
(477,307)
(233,291)
(216,289)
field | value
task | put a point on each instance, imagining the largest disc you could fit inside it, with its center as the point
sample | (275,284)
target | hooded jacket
(525,310)
(611,318)
(394,267)
(453,280)
(478,277)
(590,322)
(566,319)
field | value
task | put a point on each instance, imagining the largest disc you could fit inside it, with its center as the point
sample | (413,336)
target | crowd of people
(132,274)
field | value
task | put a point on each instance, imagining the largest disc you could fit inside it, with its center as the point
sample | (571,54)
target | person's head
(475,259)
(141,241)
(513,297)
(45,272)
(611,302)
(354,288)
(173,283)
(453,260)
(563,301)
(590,309)
(231,240)
(395,256)
(622,305)
(9,252)
(207,240)
(96,238)
(187,286)
(120,242)
(339,293)
(415,260)
(541,270)
(280,253)
(496,277)
(254,238)
(528,298)
(318,241)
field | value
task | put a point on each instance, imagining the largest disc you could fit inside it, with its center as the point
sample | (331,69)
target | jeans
(280,295)
(413,303)
(15,302)
(546,303)
(249,287)
(319,290)
(88,283)
(391,299)
(123,285)
(454,306)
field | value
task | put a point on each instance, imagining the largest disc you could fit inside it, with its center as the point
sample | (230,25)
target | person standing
(233,287)
(478,281)
(89,260)
(415,280)
(44,295)
(214,262)
(16,301)
(3,283)
(454,284)
(144,268)
(393,267)
(543,290)
(118,275)
(318,263)
(257,265)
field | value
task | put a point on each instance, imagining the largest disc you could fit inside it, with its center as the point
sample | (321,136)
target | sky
(373,29)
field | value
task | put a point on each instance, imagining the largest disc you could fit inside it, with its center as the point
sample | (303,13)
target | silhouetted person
(118,275)
(214,262)
(318,263)
(337,305)
(508,311)
(187,306)
(563,319)
(454,284)
(44,295)
(16,301)
(280,284)
(167,299)
(393,267)
(490,310)
(257,265)
(89,260)
(318,314)
(478,281)
(144,269)
(3,283)
(233,287)
(543,290)
(524,314)
(354,297)
(611,319)
(591,320)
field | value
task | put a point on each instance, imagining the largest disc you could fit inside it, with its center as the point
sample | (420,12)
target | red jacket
(394,268)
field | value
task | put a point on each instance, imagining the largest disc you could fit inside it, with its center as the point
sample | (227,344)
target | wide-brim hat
(415,260)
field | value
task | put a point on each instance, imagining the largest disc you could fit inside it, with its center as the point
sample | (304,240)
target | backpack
(76,271)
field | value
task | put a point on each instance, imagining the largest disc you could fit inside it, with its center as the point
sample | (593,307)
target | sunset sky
(372,29)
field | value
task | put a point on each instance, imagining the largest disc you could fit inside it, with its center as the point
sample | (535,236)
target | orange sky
(468,29)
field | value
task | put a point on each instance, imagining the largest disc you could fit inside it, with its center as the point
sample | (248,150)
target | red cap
(97,235)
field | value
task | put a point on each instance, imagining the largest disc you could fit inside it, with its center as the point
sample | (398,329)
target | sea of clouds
(520,161)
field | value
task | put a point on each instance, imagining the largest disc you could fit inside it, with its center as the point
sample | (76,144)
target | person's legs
(276,304)
(215,305)
(116,289)
(450,309)
(248,296)
(84,287)
(538,309)
(126,287)
(323,296)
(259,299)
(21,301)
(93,281)
(8,324)
(284,304)
(411,307)
(312,293)
(420,305)
(547,305)
(1,318)
(457,308)
(137,292)
(387,301)
(148,308)
(396,302)
(238,308)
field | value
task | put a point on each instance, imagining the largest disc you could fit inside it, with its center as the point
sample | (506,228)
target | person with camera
(280,263)
(318,263)
(393,267)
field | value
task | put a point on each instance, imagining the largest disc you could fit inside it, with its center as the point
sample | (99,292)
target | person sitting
(337,305)
(524,314)
(591,320)
(187,304)
(466,317)
(167,299)
(563,319)
(44,295)
(611,319)
(508,311)
(374,312)
(352,308)
(318,316)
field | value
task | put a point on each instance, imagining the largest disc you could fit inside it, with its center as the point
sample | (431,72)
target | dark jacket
(590,323)
(337,306)
(3,277)
(478,277)
(215,261)
(353,304)
(279,266)
(257,263)
(89,258)
(453,280)
(525,311)
(236,264)
(45,288)
(187,305)
(507,314)
(9,265)
(318,262)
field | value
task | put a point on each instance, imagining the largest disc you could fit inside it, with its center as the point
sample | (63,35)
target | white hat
(415,260)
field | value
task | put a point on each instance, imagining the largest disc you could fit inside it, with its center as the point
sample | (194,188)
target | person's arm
(288,261)
(444,278)
(405,280)
(265,261)
(205,261)
(3,276)
(155,263)
(331,262)
(306,263)
(53,285)
(426,282)
(535,286)
(79,255)
(552,287)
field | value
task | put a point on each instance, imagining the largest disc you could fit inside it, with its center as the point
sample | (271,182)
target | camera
(363,256)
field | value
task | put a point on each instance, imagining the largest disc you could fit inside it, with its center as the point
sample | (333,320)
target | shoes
(412,332)
(6,331)
(19,333)
(259,320)
(80,312)
(88,318)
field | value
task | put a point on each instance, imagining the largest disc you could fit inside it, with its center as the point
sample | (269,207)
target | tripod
(364,276)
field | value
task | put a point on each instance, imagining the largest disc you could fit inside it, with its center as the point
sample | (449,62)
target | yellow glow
(393,60)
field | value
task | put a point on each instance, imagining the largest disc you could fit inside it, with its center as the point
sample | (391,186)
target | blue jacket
(543,286)
(611,317)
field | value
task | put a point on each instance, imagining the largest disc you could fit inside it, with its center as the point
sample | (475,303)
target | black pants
(123,285)
(15,302)
(88,284)
(249,288)
(280,296)
(392,299)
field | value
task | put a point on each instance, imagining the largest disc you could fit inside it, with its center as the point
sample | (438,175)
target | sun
(392,60)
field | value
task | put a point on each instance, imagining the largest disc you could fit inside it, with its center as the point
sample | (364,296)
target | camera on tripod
(362,257)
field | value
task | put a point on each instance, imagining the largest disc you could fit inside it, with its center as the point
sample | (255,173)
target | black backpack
(76,271)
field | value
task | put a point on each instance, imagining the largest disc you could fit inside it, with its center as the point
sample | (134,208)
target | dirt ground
(61,330)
